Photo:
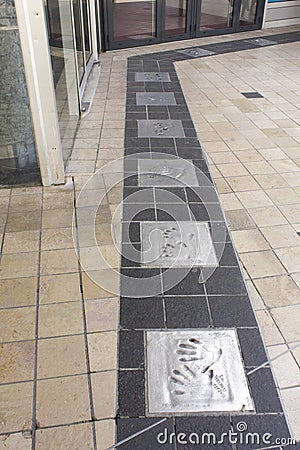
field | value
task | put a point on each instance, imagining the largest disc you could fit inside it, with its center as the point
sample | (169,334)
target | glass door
(177,19)
(214,16)
(131,22)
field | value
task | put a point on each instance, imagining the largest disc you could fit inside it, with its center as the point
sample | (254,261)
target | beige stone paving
(253,150)
(253,147)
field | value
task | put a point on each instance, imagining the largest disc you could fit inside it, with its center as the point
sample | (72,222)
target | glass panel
(175,17)
(78,37)
(134,20)
(216,14)
(86,26)
(64,69)
(248,12)
(18,161)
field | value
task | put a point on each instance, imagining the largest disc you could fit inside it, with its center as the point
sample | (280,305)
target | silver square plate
(261,42)
(177,244)
(196,52)
(194,371)
(167,172)
(152,76)
(160,128)
(155,98)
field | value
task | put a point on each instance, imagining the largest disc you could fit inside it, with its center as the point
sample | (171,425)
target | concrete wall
(282,13)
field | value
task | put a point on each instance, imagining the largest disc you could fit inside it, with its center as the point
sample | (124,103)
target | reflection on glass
(216,14)
(248,12)
(86,26)
(175,17)
(78,37)
(60,31)
(134,20)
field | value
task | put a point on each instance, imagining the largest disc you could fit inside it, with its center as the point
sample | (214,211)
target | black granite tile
(138,212)
(141,313)
(219,232)
(131,349)
(172,212)
(226,254)
(154,87)
(199,212)
(130,232)
(231,311)
(165,142)
(157,109)
(164,150)
(190,153)
(135,108)
(131,255)
(204,432)
(252,347)
(264,392)
(203,194)
(131,393)
(138,194)
(153,439)
(187,142)
(188,124)
(224,281)
(190,132)
(158,115)
(187,312)
(262,431)
(182,282)
(131,132)
(169,195)
(137,142)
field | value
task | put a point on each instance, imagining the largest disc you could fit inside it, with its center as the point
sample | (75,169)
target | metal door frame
(189,23)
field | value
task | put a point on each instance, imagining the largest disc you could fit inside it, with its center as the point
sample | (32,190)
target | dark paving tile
(166,142)
(131,393)
(262,430)
(153,439)
(225,281)
(264,392)
(203,194)
(252,347)
(187,142)
(169,195)
(219,232)
(187,312)
(226,254)
(131,255)
(203,432)
(174,211)
(138,212)
(180,282)
(141,313)
(130,232)
(138,194)
(199,212)
(131,349)
(252,95)
(232,311)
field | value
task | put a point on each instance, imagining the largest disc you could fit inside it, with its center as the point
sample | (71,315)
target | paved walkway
(59,352)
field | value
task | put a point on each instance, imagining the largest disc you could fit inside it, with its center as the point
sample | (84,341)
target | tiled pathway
(59,351)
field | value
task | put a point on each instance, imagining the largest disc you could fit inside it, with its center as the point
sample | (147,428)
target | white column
(38,71)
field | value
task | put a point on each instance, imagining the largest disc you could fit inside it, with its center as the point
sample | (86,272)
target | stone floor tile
(104,394)
(291,212)
(267,216)
(272,153)
(273,182)
(223,157)
(248,156)
(296,278)
(259,167)
(60,288)
(101,314)
(285,165)
(18,324)
(57,238)
(70,358)
(57,218)
(103,351)
(254,199)
(92,286)
(20,441)
(249,241)
(16,362)
(292,179)
(20,242)
(62,401)
(290,258)
(288,320)
(105,434)
(285,367)
(58,261)
(281,236)
(291,399)
(246,183)
(270,331)
(16,407)
(75,437)
(232,170)
(19,265)
(222,186)
(262,264)
(230,202)
(60,319)
(25,221)
(278,291)
(101,257)
(239,219)
(18,292)
(284,196)
(255,298)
